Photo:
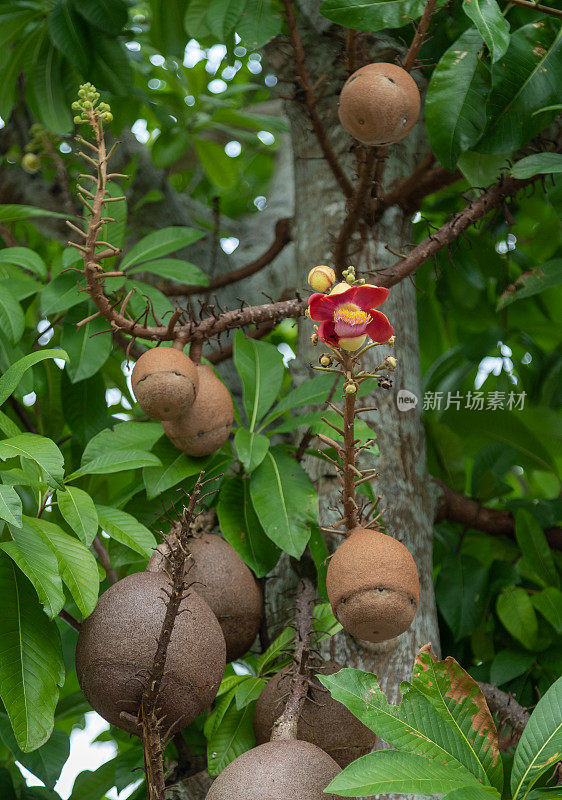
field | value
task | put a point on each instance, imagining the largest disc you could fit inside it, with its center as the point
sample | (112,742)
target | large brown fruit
(324,721)
(373,585)
(116,647)
(379,104)
(165,382)
(206,426)
(279,770)
(222,579)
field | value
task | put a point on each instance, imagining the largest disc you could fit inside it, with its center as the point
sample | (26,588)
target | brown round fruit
(206,426)
(116,647)
(379,104)
(324,721)
(279,770)
(165,382)
(222,579)
(373,585)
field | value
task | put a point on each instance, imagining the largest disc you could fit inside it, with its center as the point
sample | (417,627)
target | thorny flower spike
(348,315)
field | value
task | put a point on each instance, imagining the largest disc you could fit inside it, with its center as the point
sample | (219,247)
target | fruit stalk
(285,727)
(349,456)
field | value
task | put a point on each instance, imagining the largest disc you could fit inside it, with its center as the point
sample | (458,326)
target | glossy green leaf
(284,500)
(174,270)
(12,321)
(372,15)
(549,604)
(509,664)
(526,79)
(535,548)
(248,691)
(221,170)
(40,450)
(276,650)
(127,530)
(37,561)
(11,212)
(119,771)
(79,512)
(461,592)
(311,392)
(160,243)
(261,20)
(232,737)
(241,527)
(491,24)
(116,462)
(26,258)
(533,282)
(112,68)
(47,85)
(31,664)
(84,406)
(389,771)
(61,293)
(167,31)
(459,84)
(516,612)
(251,448)
(472,793)
(223,15)
(175,467)
(540,746)
(537,164)
(13,375)
(69,33)
(108,15)
(46,762)
(10,505)
(261,370)
(87,351)
(136,436)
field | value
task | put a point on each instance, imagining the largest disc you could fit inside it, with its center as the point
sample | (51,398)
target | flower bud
(351,344)
(325,360)
(321,278)
(390,362)
(314,339)
(350,388)
(391,340)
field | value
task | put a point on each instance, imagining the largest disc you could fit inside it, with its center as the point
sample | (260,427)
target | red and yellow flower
(348,315)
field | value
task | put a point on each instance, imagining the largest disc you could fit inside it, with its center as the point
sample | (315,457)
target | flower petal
(326,332)
(380,329)
(368,296)
(322,306)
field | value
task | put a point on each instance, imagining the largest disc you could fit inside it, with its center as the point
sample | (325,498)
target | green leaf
(223,15)
(12,321)
(6,786)
(108,15)
(13,213)
(175,270)
(510,664)
(492,25)
(284,500)
(78,510)
(123,436)
(516,612)
(461,593)
(260,21)
(526,79)
(540,746)
(69,34)
(84,406)
(174,467)
(60,294)
(77,565)
(276,650)
(47,87)
(167,31)
(39,564)
(39,449)
(10,506)
(455,112)
(31,664)
(251,448)
(261,370)
(13,375)
(472,793)
(87,352)
(26,258)
(231,738)
(160,243)
(196,19)
(116,462)
(533,282)
(46,762)
(112,67)
(389,771)
(324,623)
(248,691)
(125,529)
(535,548)
(549,604)
(221,170)
(537,164)
(372,15)
(94,784)
(311,392)
(241,527)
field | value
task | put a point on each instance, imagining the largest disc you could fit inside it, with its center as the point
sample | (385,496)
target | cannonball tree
(280,372)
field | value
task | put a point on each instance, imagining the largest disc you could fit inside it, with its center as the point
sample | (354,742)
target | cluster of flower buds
(88,101)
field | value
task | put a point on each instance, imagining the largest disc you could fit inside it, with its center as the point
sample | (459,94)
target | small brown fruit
(222,579)
(279,770)
(379,104)
(116,648)
(206,426)
(373,585)
(324,721)
(164,382)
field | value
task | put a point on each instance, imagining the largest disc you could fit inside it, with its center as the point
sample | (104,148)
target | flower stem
(349,468)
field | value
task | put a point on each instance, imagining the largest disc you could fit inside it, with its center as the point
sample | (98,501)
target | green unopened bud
(350,388)
(78,120)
